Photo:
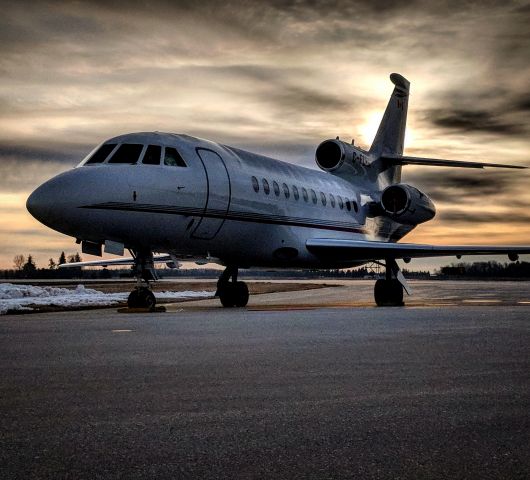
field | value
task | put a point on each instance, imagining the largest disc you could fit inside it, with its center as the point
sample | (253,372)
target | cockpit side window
(152,155)
(127,153)
(173,158)
(101,153)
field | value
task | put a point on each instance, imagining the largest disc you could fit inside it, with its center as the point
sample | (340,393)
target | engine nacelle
(331,155)
(407,204)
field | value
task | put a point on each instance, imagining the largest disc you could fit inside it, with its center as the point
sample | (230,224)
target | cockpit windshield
(127,153)
(101,153)
(152,155)
(131,153)
(173,158)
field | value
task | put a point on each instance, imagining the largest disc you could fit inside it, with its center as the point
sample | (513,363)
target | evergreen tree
(62,258)
(51,264)
(29,267)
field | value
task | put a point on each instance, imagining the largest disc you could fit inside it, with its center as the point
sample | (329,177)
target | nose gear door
(218,195)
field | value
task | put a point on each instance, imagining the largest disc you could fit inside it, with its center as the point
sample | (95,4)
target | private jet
(168,197)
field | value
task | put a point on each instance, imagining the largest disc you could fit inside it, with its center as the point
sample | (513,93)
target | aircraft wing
(364,250)
(439,162)
(114,261)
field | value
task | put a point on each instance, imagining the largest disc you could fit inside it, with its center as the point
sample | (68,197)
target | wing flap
(440,162)
(364,250)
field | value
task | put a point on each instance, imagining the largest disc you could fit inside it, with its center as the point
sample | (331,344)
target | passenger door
(217,195)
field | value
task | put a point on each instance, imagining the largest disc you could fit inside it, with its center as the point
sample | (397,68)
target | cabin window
(172,158)
(255,184)
(323,199)
(152,155)
(101,153)
(286,191)
(355,206)
(341,204)
(304,194)
(348,204)
(266,187)
(314,196)
(296,195)
(127,153)
(332,200)
(276,188)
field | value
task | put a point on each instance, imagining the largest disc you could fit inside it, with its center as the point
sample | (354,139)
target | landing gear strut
(231,292)
(388,292)
(144,271)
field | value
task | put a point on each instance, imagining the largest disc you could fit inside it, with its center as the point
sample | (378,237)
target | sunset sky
(277,78)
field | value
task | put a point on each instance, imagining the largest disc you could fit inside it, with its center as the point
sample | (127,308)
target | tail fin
(391,133)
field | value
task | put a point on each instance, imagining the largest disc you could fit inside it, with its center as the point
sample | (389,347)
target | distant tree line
(486,270)
(26,268)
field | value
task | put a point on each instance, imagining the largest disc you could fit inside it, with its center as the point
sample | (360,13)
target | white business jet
(185,198)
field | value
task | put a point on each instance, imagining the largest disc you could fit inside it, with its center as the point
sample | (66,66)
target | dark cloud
(458,186)
(484,216)
(17,175)
(50,153)
(474,121)
(522,103)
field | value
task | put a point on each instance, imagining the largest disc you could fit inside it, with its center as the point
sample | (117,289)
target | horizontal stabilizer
(363,250)
(439,162)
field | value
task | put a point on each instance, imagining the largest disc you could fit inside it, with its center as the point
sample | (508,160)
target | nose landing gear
(144,271)
(231,293)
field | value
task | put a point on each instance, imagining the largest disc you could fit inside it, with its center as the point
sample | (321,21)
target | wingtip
(400,81)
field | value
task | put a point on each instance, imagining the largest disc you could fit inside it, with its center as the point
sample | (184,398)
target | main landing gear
(231,292)
(144,271)
(388,291)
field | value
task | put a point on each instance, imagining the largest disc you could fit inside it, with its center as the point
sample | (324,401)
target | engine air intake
(395,200)
(406,204)
(329,155)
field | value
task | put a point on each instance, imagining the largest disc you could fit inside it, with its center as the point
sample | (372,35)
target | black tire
(388,293)
(240,294)
(133,301)
(141,298)
(226,295)
(148,299)
(234,294)
(396,293)
(380,292)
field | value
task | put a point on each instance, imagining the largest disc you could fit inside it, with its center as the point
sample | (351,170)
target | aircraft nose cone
(39,202)
(47,203)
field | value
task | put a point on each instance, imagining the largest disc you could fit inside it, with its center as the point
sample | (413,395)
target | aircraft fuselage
(221,205)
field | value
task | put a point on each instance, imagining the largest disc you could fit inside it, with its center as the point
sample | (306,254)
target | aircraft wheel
(148,299)
(388,293)
(141,298)
(133,301)
(240,294)
(226,295)
(233,294)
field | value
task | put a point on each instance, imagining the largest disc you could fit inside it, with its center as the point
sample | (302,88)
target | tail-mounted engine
(333,155)
(406,204)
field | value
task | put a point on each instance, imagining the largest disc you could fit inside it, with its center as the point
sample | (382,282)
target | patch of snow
(20,297)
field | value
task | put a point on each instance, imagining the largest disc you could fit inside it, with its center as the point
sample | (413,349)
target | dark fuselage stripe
(235,216)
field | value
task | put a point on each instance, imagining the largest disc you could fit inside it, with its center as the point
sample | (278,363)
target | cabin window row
(305,193)
(132,153)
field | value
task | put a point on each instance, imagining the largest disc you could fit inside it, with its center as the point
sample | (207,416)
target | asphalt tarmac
(289,390)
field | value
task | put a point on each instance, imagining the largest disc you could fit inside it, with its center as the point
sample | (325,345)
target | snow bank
(20,297)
